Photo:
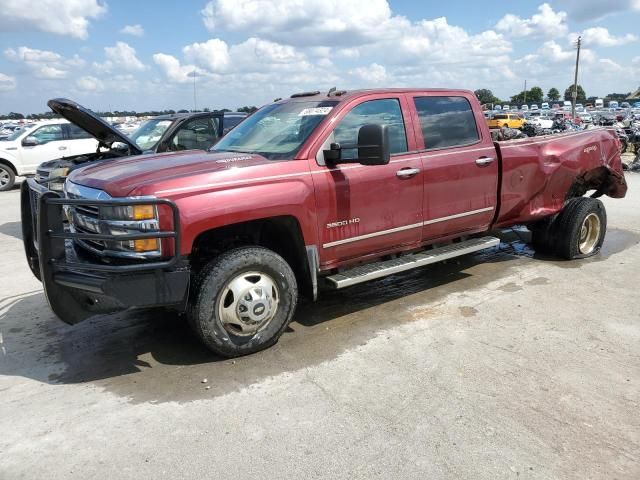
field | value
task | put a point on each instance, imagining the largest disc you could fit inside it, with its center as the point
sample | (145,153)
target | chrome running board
(371,271)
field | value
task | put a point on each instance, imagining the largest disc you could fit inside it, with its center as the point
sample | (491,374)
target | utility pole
(525,92)
(194,90)
(574,93)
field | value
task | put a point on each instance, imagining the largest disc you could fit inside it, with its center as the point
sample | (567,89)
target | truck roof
(341,95)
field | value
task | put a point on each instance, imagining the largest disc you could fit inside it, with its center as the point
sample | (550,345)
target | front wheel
(7,178)
(242,301)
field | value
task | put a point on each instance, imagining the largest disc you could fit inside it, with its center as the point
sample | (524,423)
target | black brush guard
(79,286)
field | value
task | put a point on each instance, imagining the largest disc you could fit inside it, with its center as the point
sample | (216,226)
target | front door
(460,166)
(51,145)
(368,209)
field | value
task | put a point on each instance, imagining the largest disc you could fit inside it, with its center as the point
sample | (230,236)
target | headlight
(121,220)
(124,219)
(129,212)
(57,178)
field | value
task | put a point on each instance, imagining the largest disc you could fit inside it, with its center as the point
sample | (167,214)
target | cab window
(384,112)
(198,134)
(48,133)
(76,133)
(447,121)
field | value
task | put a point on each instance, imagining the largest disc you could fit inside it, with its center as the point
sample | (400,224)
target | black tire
(7,177)
(540,239)
(566,229)
(211,284)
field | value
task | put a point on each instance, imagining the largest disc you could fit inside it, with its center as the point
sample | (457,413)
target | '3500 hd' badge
(343,223)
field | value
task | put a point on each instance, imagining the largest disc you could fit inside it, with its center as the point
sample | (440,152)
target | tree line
(119,113)
(536,95)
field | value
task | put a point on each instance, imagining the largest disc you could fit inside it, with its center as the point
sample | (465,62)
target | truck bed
(539,173)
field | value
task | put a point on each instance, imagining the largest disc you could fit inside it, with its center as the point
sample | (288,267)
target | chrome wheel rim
(4,177)
(248,303)
(589,233)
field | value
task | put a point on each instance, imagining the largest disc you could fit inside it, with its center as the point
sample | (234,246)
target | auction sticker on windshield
(315,111)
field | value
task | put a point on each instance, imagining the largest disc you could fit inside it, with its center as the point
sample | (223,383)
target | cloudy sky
(141,55)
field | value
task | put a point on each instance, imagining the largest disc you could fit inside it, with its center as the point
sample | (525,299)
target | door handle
(407,172)
(62,148)
(484,161)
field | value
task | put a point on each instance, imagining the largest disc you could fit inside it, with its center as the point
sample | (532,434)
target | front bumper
(78,286)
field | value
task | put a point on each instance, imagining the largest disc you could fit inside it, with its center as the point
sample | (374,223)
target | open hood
(91,123)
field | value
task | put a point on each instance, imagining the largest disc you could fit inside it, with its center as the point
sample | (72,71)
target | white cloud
(121,57)
(600,37)
(69,17)
(545,23)
(314,22)
(135,30)
(173,70)
(374,74)
(7,83)
(90,84)
(255,51)
(212,54)
(42,63)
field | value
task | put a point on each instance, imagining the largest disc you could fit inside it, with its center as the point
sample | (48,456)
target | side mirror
(30,142)
(372,146)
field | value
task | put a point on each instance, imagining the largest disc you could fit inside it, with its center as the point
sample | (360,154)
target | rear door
(363,210)
(80,142)
(460,165)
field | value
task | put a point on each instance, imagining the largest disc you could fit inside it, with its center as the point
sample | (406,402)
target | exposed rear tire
(242,301)
(578,231)
(7,177)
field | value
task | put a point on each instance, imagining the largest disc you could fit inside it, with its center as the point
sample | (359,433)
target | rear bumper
(78,286)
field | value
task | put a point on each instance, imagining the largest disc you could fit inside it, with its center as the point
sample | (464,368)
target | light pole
(194,90)
(574,93)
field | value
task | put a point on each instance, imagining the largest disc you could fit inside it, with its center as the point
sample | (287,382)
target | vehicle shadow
(12,229)
(153,356)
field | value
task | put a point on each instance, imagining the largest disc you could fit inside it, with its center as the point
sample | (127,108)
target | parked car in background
(542,121)
(498,108)
(613,105)
(579,107)
(510,120)
(506,107)
(534,107)
(585,117)
(625,105)
(23,151)
(566,106)
(555,106)
(165,133)
(545,106)
(599,104)
(524,108)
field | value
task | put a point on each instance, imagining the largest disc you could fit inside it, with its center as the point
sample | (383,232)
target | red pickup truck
(334,189)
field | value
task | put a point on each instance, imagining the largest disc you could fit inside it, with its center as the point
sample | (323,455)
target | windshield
(149,133)
(276,131)
(16,133)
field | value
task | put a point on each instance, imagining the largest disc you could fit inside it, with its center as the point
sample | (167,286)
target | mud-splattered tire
(242,301)
(578,231)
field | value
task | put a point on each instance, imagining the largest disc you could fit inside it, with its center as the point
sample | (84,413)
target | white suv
(23,151)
